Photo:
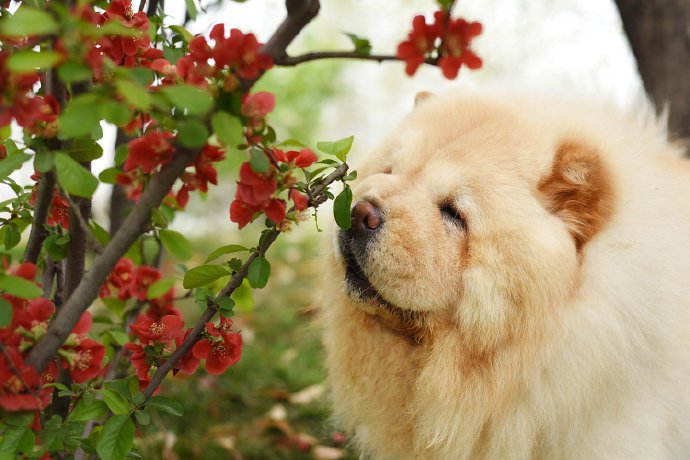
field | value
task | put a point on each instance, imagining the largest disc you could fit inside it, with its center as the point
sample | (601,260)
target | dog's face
(468,216)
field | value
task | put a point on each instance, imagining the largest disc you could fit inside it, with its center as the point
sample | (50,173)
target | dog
(515,284)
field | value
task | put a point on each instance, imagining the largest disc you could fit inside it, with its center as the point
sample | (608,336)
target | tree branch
(294,60)
(235,281)
(44,196)
(299,14)
(87,290)
(91,240)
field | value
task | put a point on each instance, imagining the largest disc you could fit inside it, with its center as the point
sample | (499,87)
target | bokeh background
(274,403)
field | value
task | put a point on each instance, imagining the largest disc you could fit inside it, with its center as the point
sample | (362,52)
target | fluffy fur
(552,321)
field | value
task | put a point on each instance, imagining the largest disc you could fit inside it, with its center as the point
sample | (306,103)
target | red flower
(165,331)
(302,159)
(221,354)
(133,183)
(204,173)
(299,199)
(188,363)
(239,51)
(23,391)
(144,277)
(87,362)
(258,105)
(140,361)
(420,42)
(126,50)
(456,47)
(148,152)
(276,210)
(58,214)
(240,213)
(122,277)
(158,308)
(255,189)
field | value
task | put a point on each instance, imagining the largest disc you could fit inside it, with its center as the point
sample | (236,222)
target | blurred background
(274,404)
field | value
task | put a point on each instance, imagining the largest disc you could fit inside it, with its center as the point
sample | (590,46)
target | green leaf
(143,418)
(258,161)
(160,287)
(226,305)
(203,275)
(191,9)
(12,235)
(24,61)
(362,45)
(5,313)
(188,97)
(229,249)
(134,94)
(341,208)
(73,177)
(116,113)
(73,72)
(258,273)
(91,410)
(100,233)
(192,133)
(12,162)
(19,287)
(176,243)
(244,297)
(166,404)
(44,161)
(115,401)
(118,336)
(227,128)
(28,21)
(182,32)
(11,439)
(116,438)
(81,116)
(85,149)
(56,245)
(338,148)
(109,175)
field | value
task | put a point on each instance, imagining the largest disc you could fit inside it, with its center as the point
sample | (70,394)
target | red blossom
(148,152)
(140,361)
(240,213)
(276,210)
(450,38)
(144,277)
(87,360)
(162,306)
(302,158)
(219,355)
(299,199)
(58,214)
(188,363)
(258,105)
(204,173)
(165,331)
(20,385)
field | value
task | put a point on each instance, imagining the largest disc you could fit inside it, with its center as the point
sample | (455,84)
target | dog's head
(471,216)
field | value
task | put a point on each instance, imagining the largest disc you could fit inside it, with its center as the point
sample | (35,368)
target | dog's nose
(366,216)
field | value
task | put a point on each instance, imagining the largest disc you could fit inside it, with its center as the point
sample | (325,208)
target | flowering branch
(315,198)
(289,61)
(87,290)
(44,196)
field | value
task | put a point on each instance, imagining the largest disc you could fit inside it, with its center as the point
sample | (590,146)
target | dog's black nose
(366,217)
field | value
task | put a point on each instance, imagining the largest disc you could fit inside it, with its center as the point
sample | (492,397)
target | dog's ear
(579,191)
(421,97)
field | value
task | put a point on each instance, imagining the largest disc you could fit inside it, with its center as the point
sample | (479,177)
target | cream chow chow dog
(515,285)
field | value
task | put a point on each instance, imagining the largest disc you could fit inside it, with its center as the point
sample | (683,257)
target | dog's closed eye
(451,214)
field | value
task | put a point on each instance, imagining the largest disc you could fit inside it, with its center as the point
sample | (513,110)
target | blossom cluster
(21,387)
(235,56)
(36,114)
(159,329)
(449,38)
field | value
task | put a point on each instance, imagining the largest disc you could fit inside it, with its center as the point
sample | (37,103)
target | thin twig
(299,14)
(233,284)
(288,61)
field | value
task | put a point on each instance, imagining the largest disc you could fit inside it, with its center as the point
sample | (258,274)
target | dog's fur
(554,325)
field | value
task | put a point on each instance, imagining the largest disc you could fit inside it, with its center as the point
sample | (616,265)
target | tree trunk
(659,34)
